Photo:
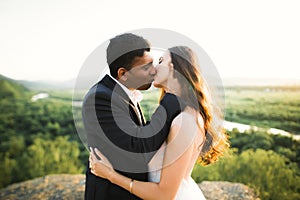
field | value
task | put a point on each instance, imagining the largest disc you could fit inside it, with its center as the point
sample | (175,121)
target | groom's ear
(122,74)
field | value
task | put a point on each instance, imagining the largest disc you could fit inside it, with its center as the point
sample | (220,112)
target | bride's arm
(171,175)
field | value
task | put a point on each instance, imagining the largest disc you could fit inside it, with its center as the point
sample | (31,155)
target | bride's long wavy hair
(195,94)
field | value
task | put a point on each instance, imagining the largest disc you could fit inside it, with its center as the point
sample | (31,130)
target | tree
(265,171)
(47,157)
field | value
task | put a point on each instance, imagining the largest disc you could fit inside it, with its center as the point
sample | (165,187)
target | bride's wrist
(111,175)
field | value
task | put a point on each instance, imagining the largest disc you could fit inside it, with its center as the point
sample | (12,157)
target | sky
(50,40)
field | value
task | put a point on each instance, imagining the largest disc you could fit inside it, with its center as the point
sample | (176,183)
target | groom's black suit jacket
(112,125)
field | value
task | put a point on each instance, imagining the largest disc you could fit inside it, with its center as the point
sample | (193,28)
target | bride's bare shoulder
(189,118)
(185,127)
(182,118)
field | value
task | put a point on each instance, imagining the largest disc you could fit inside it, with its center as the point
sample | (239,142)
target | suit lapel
(141,114)
(116,88)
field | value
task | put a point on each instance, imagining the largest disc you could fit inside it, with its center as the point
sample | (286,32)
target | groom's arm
(112,125)
(148,138)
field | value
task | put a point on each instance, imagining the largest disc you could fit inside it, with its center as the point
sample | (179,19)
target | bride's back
(190,133)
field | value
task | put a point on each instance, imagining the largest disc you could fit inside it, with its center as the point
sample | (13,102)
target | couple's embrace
(134,159)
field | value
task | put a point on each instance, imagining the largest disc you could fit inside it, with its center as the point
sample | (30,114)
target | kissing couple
(131,158)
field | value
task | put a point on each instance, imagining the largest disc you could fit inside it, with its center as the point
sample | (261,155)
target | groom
(113,120)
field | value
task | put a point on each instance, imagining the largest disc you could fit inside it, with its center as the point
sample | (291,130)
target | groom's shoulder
(99,90)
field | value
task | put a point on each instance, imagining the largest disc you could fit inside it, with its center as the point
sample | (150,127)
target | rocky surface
(62,186)
(71,187)
(222,190)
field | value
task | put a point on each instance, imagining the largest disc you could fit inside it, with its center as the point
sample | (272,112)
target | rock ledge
(71,187)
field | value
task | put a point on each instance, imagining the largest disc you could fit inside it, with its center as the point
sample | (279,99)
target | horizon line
(226,80)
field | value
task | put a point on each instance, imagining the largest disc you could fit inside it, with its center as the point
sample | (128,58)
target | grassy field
(267,107)
(276,107)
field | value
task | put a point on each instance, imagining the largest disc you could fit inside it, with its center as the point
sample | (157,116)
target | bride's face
(163,70)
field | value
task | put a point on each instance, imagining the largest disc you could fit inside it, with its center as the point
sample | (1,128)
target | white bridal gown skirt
(188,190)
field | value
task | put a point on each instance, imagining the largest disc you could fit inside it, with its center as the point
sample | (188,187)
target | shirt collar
(134,95)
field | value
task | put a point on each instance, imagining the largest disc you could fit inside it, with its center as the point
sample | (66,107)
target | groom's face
(142,72)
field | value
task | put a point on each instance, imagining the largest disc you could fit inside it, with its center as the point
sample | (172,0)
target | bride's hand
(101,168)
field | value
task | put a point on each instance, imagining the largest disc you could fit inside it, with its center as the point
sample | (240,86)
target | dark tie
(138,113)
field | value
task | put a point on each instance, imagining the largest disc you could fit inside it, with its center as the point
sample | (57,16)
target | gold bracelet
(130,185)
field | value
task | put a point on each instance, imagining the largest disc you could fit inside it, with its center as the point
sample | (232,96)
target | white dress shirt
(134,95)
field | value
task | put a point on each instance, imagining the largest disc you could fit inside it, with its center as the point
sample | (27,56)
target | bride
(194,136)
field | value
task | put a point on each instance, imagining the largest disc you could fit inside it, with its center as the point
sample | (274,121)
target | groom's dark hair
(122,50)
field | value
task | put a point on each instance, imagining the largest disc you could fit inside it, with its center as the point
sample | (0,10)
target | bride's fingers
(91,150)
(90,159)
(103,158)
(93,156)
(99,154)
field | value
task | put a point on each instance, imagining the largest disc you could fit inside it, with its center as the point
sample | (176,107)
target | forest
(38,138)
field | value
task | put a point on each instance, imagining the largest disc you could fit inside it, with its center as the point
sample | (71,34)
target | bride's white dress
(188,189)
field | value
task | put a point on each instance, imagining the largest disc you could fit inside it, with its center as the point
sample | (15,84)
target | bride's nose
(153,70)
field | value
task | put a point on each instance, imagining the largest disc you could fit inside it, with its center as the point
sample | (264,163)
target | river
(244,127)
